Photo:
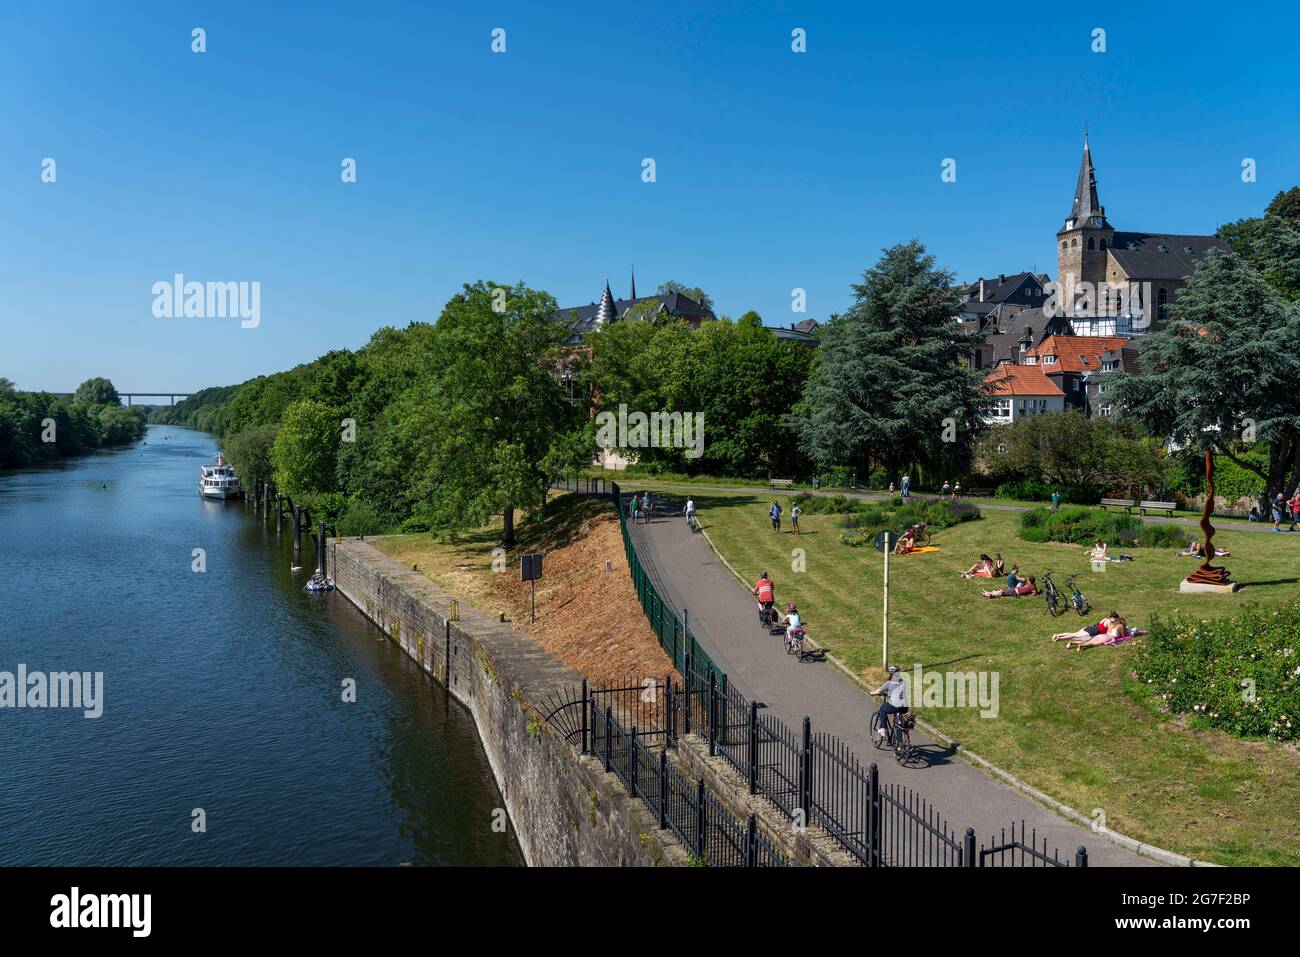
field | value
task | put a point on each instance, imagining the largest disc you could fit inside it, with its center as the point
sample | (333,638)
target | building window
(1103,244)
(1162,304)
(1076,385)
(1104,410)
(1062,243)
(1092,243)
(1049,360)
(1074,242)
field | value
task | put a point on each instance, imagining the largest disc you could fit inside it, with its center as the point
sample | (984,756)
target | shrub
(413,525)
(857,537)
(361,518)
(1239,674)
(1163,536)
(1077,525)
(1032,490)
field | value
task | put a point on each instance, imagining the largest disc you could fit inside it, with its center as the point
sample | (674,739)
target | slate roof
(1161,255)
(677,305)
(1004,345)
(996,290)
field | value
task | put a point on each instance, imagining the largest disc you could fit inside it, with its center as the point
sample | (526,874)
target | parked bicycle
(899,738)
(1077,601)
(1052,595)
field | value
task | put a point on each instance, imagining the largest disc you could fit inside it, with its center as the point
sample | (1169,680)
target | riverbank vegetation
(38,427)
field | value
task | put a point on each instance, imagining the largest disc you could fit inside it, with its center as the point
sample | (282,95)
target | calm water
(222,690)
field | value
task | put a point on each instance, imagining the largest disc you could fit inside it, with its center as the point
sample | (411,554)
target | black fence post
(805,771)
(631,764)
(751,841)
(668,708)
(753,747)
(609,738)
(1081,857)
(585,729)
(686,680)
(968,848)
(701,821)
(713,713)
(873,816)
(663,790)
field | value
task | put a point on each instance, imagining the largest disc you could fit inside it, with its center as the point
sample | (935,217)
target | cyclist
(690,511)
(645,506)
(895,690)
(765,590)
(792,622)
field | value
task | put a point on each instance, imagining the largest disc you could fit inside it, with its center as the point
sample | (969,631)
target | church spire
(606,312)
(1087,209)
(633,296)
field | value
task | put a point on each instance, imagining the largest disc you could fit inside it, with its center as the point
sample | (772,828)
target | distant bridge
(129,396)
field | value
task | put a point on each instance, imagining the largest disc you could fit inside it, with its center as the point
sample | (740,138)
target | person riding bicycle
(895,690)
(690,511)
(765,590)
(792,623)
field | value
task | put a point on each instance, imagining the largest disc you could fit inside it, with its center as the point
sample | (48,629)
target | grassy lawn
(1077,725)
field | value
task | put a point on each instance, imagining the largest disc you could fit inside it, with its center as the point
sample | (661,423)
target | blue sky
(775,170)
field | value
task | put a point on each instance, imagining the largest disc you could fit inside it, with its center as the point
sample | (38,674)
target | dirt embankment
(587,617)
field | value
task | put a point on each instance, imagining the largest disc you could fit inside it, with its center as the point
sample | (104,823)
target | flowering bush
(1239,674)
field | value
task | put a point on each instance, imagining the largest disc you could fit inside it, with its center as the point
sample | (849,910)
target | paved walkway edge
(1123,840)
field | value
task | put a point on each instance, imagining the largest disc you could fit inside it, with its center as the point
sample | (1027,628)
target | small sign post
(530,569)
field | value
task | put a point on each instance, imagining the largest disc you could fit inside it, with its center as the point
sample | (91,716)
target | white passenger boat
(218,481)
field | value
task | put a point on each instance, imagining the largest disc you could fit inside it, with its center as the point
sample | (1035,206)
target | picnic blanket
(1133,633)
(923,549)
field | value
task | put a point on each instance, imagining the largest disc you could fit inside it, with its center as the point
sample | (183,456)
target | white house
(1019,391)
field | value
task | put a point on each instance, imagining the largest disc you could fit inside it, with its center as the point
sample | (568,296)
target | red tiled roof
(1076,353)
(1008,379)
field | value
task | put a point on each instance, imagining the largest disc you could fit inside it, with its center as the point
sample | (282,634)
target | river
(222,690)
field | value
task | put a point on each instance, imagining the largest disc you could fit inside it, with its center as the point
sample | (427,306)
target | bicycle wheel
(1051,603)
(876,740)
(1082,606)
(902,745)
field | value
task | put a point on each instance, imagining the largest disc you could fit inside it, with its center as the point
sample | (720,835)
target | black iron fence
(813,779)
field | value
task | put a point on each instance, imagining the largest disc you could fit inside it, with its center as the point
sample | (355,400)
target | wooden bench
(781,483)
(1166,507)
(1127,504)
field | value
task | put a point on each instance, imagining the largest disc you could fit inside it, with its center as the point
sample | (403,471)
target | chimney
(1002,277)
(981,289)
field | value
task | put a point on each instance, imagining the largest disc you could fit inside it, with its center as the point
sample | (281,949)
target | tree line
(39,427)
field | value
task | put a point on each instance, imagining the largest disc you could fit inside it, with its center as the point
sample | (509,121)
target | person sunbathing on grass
(906,543)
(981,569)
(1026,587)
(999,566)
(1197,550)
(1088,632)
(1116,631)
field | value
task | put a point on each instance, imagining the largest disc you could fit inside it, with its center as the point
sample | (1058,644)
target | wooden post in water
(266,500)
(279,514)
(297,533)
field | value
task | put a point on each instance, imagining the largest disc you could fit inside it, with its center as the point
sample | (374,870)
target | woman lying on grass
(981,569)
(1026,587)
(1197,550)
(1109,631)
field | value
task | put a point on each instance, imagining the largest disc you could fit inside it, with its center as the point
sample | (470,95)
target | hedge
(1079,526)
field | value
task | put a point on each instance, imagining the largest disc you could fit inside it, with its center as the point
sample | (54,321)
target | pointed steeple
(633,296)
(606,312)
(1087,209)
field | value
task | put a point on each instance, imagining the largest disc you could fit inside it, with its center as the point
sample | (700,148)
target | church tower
(1086,235)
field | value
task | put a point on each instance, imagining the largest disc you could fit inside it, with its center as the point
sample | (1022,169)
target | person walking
(1294,506)
(1279,506)
(775,513)
(645,507)
(956,491)
(632,507)
(794,519)
(946,491)
(907,485)
(1056,501)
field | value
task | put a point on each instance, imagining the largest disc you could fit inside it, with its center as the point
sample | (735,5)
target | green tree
(889,385)
(249,452)
(1068,448)
(97,391)
(1224,374)
(489,426)
(305,448)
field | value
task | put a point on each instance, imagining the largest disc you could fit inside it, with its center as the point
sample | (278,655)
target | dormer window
(1049,360)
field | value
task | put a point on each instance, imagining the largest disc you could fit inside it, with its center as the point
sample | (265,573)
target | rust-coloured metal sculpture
(1207,574)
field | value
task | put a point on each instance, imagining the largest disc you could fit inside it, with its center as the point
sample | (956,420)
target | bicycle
(920,536)
(1077,601)
(794,641)
(899,738)
(692,522)
(766,617)
(1055,603)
